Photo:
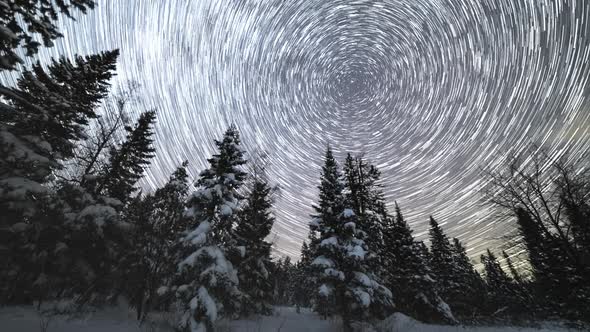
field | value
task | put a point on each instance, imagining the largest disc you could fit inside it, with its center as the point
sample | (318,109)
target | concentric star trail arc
(430,91)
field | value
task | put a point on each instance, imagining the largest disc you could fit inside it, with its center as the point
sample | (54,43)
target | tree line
(363,263)
(75,226)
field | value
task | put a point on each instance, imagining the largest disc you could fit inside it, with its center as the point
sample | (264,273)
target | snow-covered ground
(26,319)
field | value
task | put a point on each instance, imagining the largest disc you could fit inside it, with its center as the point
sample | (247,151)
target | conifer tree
(450,269)
(22,20)
(207,282)
(409,276)
(442,261)
(347,285)
(514,273)
(466,296)
(282,280)
(157,220)
(362,192)
(498,283)
(66,236)
(305,284)
(126,162)
(255,223)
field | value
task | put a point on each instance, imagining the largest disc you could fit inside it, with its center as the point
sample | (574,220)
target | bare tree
(550,190)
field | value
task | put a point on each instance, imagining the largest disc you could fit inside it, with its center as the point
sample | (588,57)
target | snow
(363,279)
(330,272)
(208,303)
(242,250)
(325,290)
(226,210)
(285,319)
(356,251)
(315,223)
(322,261)
(18,188)
(98,214)
(348,213)
(198,236)
(331,241)
(220,265)
(363,297)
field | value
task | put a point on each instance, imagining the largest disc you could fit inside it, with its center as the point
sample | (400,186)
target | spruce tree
(207,283)
(466,296)
(126,162)
(157,221)
(444,263)
(514,273)
(305,284)
(255,223)
(21,21)
(362,192)
(409,276)
(347,285)
(500,291)
(61,238)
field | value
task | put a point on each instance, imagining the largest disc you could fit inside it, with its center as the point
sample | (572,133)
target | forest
(76,230)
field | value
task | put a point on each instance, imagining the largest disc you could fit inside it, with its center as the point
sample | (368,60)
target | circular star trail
(430,91)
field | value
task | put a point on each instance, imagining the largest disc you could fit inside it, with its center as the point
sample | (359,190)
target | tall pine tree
(255,223)
(347,285)
(409,276)
(207,282)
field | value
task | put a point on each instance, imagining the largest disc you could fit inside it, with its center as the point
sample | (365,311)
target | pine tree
(444,262)
(471,287)
(346,283)
(515,274)
(157,221)
(60,237)
(126,162)
(362,192)
(409,276)
(500,291)
(21,21)
(46,115)
(304,282)
(255,223)
(282,281)
(207,283)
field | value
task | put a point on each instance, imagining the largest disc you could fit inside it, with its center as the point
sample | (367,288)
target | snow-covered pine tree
(207,282)
(254,224)
(157,221)
(346,281)
(362,192)
(127,161)
(347,286)
(23,21)
(46,115)
(409,276)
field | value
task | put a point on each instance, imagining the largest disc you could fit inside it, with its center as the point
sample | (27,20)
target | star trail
(430,91)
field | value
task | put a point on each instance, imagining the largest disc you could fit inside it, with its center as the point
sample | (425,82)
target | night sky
(429,90)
